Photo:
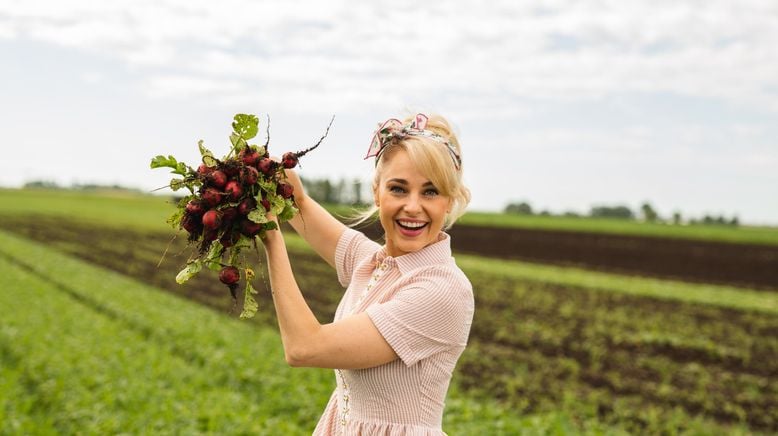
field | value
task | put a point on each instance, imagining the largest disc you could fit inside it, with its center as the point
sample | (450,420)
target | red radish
(231,167)
(289,160)
(285,190)
(250,228)
(212,219)
(249,175)
(250,157)
(225,193)
(218,178)
(229,275)
(247,205)
(195,207)
(229,238)
(228,215)
(209,235)
(191,224)
(212,197)
(233,189)
(266,166)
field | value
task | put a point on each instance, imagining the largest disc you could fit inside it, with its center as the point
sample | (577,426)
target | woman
(405,317)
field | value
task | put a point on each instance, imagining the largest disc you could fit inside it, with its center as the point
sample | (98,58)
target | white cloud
(518,77)
(503,50)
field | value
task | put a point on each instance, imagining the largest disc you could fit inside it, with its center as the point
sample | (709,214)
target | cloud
(381,53)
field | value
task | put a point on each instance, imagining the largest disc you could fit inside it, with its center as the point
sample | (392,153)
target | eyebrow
(405,182)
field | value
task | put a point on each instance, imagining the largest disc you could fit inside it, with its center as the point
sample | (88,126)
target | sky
(562,104)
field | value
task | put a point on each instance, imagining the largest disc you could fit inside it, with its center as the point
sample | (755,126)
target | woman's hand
(299,191)
(318,227)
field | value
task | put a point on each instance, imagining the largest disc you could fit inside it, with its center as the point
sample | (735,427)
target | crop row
(86,351)
(641,363)
(95,353)
(706,360)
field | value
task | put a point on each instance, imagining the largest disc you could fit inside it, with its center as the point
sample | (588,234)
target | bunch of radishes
(229,203)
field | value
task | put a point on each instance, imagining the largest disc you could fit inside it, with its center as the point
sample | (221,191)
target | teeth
(411,225)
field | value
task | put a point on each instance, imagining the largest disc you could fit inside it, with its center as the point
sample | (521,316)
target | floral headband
(394,129)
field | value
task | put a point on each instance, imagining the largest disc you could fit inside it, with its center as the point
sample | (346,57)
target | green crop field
(96,338)
(87,351)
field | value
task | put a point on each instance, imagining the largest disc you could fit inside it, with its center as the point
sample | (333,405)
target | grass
(715,295)
(118,208)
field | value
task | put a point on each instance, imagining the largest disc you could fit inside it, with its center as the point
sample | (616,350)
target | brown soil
(748,265)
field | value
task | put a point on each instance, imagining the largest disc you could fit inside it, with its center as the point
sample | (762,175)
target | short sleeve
(432,314)
(353,247)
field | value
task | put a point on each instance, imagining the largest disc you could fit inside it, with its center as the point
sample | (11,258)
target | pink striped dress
(422,304)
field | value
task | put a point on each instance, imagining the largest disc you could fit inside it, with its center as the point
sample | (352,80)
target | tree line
(645,213)
(351,192)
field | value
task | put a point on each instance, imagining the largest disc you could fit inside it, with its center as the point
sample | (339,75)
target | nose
(413,204)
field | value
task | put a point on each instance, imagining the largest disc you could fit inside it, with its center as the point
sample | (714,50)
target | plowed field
(750,265)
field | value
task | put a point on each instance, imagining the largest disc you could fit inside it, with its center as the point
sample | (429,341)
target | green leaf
(246,125)
(175,218)
(208,158)
(169,162)
(191,270)
(277,204)
(214,256)
(176,184)
(289,211)
(270,225)
(258,215)
(238,143)
(250,305)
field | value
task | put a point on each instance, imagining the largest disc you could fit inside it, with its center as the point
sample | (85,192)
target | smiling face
(411,209)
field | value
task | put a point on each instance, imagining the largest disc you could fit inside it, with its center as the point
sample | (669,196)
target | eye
(431,192)
(396,189)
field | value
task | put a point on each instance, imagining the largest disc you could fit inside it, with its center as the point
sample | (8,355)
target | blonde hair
(434,160)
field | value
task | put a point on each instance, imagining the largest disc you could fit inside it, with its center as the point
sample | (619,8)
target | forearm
(296,321)
(314,223)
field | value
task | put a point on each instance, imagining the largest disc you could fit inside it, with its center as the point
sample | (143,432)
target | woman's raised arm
(317,226)
(350,343)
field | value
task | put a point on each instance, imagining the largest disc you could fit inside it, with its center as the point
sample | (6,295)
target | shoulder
(444,283)
(355,242)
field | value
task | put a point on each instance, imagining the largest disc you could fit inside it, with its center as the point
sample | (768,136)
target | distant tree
(648,212)
(734,221)
(677,220)
(611,212)
(571,214)
(522,208)
(357,192)
(41,184)
(342,191)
